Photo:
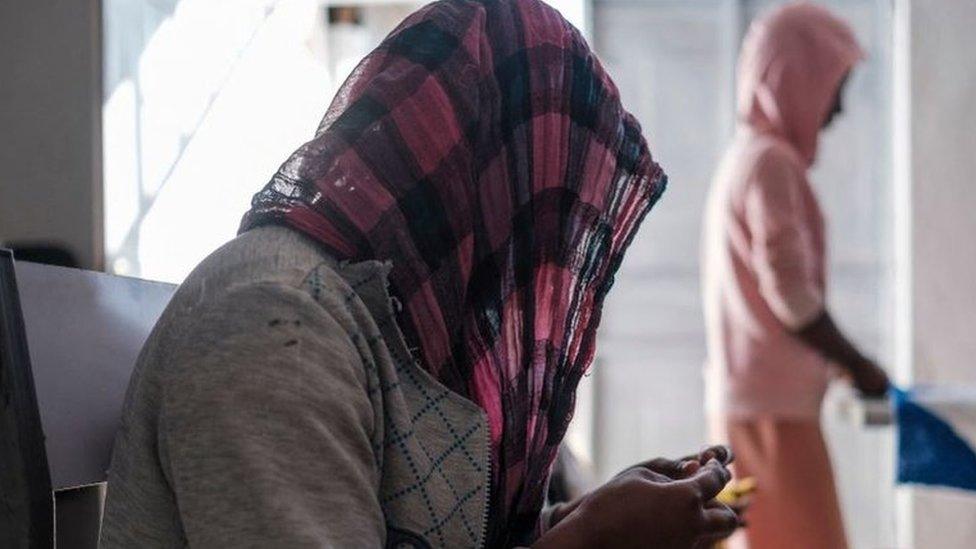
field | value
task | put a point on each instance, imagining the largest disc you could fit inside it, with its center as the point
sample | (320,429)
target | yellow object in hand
(736,495)
(736,491)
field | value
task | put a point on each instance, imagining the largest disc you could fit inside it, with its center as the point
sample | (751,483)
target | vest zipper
(487,505)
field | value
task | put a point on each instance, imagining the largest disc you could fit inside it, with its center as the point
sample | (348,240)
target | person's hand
(674,469)
(870,379)
(688,465)
(643,508)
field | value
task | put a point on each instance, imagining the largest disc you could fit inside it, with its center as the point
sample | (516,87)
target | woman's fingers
(649,475)
(710,479)
(689,465)
(726,456)
(719,521)
(689,468)
(719,452)
(664,466)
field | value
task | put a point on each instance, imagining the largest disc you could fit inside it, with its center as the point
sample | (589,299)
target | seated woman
(388,353)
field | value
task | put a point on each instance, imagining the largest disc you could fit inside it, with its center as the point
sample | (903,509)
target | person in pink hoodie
(771,339)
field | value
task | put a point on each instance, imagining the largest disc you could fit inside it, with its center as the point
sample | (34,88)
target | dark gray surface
(84,331)
(79,515)
(26,506)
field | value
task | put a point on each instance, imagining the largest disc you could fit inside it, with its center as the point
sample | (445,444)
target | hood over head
(791,64)
(483,151)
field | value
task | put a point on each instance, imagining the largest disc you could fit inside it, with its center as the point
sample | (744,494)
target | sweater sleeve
(266,428)
(782,255)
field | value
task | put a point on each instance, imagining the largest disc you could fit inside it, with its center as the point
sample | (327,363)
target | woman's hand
(870,379)
(688,465)
(672,468)
(644,508)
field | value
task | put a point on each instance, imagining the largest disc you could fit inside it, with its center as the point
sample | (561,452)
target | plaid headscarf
(483,150)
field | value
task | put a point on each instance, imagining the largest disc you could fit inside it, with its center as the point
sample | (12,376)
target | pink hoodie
(763,241)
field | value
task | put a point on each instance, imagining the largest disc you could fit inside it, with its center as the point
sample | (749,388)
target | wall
(938,224)
(50,143)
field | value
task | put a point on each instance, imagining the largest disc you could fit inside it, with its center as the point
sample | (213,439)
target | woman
(770,336)
(389,352)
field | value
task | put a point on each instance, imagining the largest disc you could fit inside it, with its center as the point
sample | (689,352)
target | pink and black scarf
(483,150)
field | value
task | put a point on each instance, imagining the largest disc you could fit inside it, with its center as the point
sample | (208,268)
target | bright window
(203,101)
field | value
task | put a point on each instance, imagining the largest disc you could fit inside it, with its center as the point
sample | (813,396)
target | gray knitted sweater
(276,405)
